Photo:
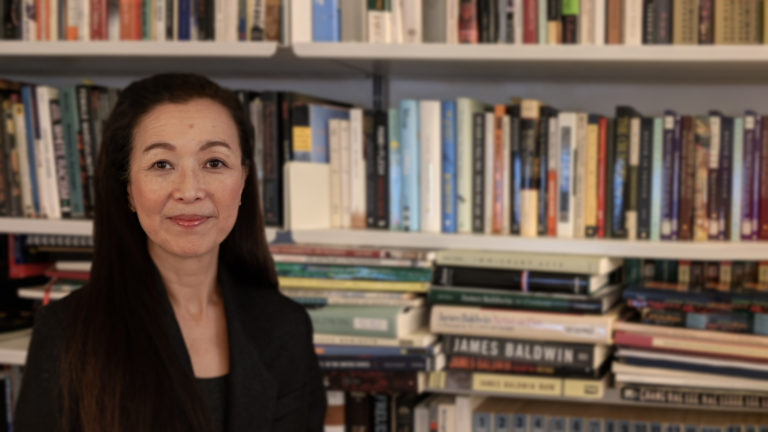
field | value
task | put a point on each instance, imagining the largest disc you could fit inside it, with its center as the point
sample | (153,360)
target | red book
(601,166)
(69,275)
(468,32)
(98,19)
(530,21)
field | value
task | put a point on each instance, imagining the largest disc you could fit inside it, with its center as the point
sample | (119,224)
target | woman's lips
(189,221)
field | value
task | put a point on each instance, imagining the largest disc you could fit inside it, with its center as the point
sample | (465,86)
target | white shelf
(199,49)
(81,227)
(668,63)
(13,347)
(616,248)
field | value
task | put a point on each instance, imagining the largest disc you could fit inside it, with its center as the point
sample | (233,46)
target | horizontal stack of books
(530,324)
(686,349)
(369,315)
(542,22)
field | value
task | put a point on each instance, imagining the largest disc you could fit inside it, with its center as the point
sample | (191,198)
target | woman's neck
(190,282)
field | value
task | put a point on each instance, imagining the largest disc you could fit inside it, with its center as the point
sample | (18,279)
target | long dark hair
(118,371)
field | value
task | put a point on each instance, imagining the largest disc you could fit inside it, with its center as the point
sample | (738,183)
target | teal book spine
(71,126)
(356,321)
(409,142)
(736,178)
(395,172)
(656,176)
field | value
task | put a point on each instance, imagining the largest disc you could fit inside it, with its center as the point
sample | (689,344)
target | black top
(275,383)
(214,392)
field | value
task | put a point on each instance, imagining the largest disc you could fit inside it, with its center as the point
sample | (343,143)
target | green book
(323,271)
(374,321)
(70,123)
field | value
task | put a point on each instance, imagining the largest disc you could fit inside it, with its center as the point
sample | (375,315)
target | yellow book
(353,285)
(590,183)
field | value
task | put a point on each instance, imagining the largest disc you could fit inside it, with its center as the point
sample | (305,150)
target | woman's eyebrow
(159,146)
(211,144)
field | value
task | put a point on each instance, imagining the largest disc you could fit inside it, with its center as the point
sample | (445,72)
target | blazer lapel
(252,390)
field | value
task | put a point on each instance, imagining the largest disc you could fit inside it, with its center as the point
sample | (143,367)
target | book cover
(449,167)
(409,136)
(326,21)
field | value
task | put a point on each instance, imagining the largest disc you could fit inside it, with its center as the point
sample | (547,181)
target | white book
(430,172)
(19,124)
(586,25)
(73,266)
(221,19)
(633,22)
(305,206)
(84,32)
(397,21)
(488,204)
(452,22)
(161,9)
(567,143)
(599,9)
(580,169)
(412,30)
(47,181)
(446,416)
(380,27)
(353,20)
(346,174)
(465,109)
(421,414)
(334,159)
(506,205)
(518,22)
(301,21)
(634,161)
(356,169)
(53,21)
(465,408)
(553,169)
(28,21)
(420,338)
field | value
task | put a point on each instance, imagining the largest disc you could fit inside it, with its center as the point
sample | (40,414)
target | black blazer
(275,381)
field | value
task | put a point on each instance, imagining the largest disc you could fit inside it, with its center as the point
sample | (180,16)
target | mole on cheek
(191,126)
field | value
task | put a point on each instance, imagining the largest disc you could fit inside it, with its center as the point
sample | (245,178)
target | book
(352,272)
(419,338)
(355,285)
(545,326)
(691,396)
(369,381)
(522,280)
(515,384)
(660,376)
(353,261)
(352,251)
(379,321)
(599,302)
(583,264)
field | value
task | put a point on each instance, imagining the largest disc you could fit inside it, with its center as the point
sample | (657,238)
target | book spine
(749,164)
(725,179)
(601,175)
(586,26)
(272,160)
(369,140)
(644,183)
(614,12)
(656,178)
(687,163)
(663,22)
(610,156)
(497,213)
(60,154)
(395,172)
(621,175)
(379,363)
(332,271)
(706,22)
(763,183)
(529,190)
(334,163)
(590,183)
(489,172)
(650,22)
(511,299)
(632,177)
(677,143)
(633,22)
(701,182)
(89,147)
(468,19)
(6,204)
(565,211)
(449,175)
(552,176)
(16,113)
(554,22)
(464,195)
(70,123)
(542,148)
(480,364)
(755,198)
(371,381)
(325,25)
(382,170)
(570,18)
(667,176)
(713,194)
(478,173)
(530,22)
(575,356)
(409,135)
(30,124)
(516,175)
(736,176)
(430,169)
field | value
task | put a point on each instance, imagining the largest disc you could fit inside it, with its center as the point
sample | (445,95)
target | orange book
(497,218)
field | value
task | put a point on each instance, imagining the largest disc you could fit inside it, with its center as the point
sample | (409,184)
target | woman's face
(186,177)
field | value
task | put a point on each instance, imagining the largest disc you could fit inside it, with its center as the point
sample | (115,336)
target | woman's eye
(161,164)
(215,163)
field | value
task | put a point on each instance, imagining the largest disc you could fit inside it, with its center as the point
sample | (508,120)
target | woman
(181,327)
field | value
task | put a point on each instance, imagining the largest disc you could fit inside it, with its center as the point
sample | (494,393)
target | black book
(518,280)
(649,21)
(620,175)
(478,173)
(357,411)
(273,157)
(725,178)
(84,108)
(545,114)
(381,209)
(610,151)
(644,179)
(369,148)
(380,408)
(515,165)
(663,25)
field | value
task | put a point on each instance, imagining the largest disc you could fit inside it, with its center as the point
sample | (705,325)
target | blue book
(184,18)
(30,122)
(449,166)
(595,425)
(737,180)
(481,422)
(577,424)
(326,20)
(71,125)
(557,424)
(501,423)
(409,143)
(519,423)
(656,173)
(395,173)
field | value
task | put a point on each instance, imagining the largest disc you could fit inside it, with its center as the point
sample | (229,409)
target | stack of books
(368,312)
(523,324)
(690,343)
